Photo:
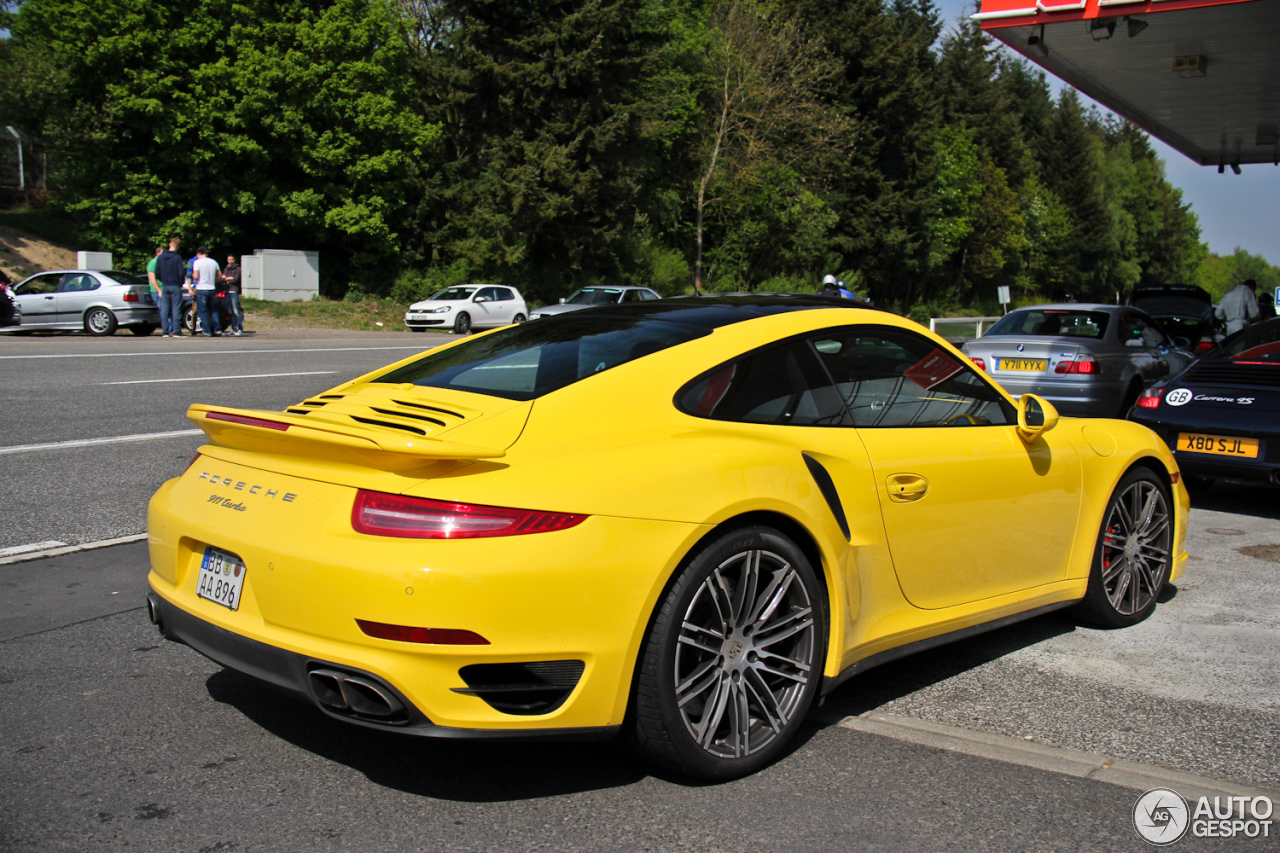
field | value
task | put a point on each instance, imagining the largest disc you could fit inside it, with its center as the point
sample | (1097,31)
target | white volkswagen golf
(468,306)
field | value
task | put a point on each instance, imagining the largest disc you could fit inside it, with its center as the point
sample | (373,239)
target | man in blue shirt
(171,272)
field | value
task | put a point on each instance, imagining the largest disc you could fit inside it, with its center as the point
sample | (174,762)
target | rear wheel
(462,325)
(1134,554)
(519,318)
(733,659)
(99,322)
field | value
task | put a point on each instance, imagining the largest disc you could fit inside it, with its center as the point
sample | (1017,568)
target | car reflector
(246,420)
(381,514)
(430,636)
(979,363)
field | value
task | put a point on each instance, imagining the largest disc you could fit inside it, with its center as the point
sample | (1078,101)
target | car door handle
(905,488)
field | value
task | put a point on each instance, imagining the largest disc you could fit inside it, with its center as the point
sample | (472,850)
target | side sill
(831,683)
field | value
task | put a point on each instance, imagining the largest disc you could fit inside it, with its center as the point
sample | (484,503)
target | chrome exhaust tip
(346,693)
(153,611)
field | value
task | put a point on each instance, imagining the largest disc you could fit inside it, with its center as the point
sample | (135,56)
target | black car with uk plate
(1221,416)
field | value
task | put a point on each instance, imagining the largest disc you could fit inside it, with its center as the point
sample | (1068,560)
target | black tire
(462,325)
(416,329)
(519,318)
(142,329)
(1134,555)
(733,658)
(1129,400)
(100,322)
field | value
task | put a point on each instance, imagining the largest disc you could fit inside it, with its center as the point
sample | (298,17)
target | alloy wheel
(1136,547)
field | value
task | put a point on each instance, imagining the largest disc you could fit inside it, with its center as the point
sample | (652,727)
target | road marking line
(34,546)
(204,352)
(88,442)
(71,549)
(211,378)
(1070,762)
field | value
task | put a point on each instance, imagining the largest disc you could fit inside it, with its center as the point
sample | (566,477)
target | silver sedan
(96,301)
(587,297)
(1086,359)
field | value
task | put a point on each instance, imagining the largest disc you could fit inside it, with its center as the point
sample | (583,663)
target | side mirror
(480,299)
(561,300)
(1036,415)
(1135,342)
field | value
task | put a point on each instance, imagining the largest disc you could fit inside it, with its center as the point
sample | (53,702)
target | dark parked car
(1221,416)
(1183,310)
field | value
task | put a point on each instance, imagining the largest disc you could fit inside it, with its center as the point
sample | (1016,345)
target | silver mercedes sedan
(97,301)
(1087,359)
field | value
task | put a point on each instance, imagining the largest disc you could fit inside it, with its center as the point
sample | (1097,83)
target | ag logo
(1178,397)
(1161,816)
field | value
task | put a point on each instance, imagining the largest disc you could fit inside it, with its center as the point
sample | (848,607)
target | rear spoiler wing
(288,434)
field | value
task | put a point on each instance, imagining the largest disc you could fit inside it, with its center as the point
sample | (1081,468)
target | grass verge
(368,315)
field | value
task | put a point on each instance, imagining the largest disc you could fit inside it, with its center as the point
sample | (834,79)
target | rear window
(1052,323)
(532,359)
(595,296)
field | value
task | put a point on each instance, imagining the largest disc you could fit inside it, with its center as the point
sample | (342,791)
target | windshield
(454,294)
(1256,343)
(526,361)
(595,296)
(1052,323)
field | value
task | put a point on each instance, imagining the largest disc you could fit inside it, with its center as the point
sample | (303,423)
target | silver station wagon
(1086,359)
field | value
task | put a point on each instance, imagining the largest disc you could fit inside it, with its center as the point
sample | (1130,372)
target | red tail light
(131,297)
(1150,398)
(1081,364)
(979,363)
(432,636)
(246,420)
(380,514)
(1204,344)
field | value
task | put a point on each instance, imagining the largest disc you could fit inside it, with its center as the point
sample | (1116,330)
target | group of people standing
(203,280)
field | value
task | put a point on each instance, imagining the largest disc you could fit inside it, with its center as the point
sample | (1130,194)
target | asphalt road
(114,738)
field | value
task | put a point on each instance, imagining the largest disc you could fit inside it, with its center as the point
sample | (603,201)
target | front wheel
(733,658)
(100,322)
(1134,554)
(462,325)
(519,318)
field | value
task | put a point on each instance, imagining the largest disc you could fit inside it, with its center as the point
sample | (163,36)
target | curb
(70,549)
(1087,765)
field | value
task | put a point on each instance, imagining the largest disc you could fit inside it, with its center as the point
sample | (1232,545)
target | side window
(502,294)
(780,384)
(894,378)
(631,295)
(39,284)
(77,283)
(649,295)
(489,294)
(1134,327)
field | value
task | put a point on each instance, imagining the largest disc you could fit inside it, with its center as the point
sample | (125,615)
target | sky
(1234,210)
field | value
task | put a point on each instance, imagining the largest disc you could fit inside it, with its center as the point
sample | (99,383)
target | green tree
(252,123)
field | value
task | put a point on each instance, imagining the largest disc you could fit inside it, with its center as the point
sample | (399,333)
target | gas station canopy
(1202,75)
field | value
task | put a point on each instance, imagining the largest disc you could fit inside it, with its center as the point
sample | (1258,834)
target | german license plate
(419,316)
(221,578)
(1023,364)
(1218,445)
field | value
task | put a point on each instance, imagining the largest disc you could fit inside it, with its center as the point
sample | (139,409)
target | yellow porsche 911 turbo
(679,521)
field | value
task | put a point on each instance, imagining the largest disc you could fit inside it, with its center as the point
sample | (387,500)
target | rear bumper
(1264,469)
(295,674)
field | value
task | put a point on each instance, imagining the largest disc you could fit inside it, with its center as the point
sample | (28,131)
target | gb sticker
(1179,397)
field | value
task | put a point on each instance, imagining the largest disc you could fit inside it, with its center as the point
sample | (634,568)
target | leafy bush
(414,285)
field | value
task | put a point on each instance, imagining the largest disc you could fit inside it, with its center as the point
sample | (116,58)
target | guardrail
(976,324)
